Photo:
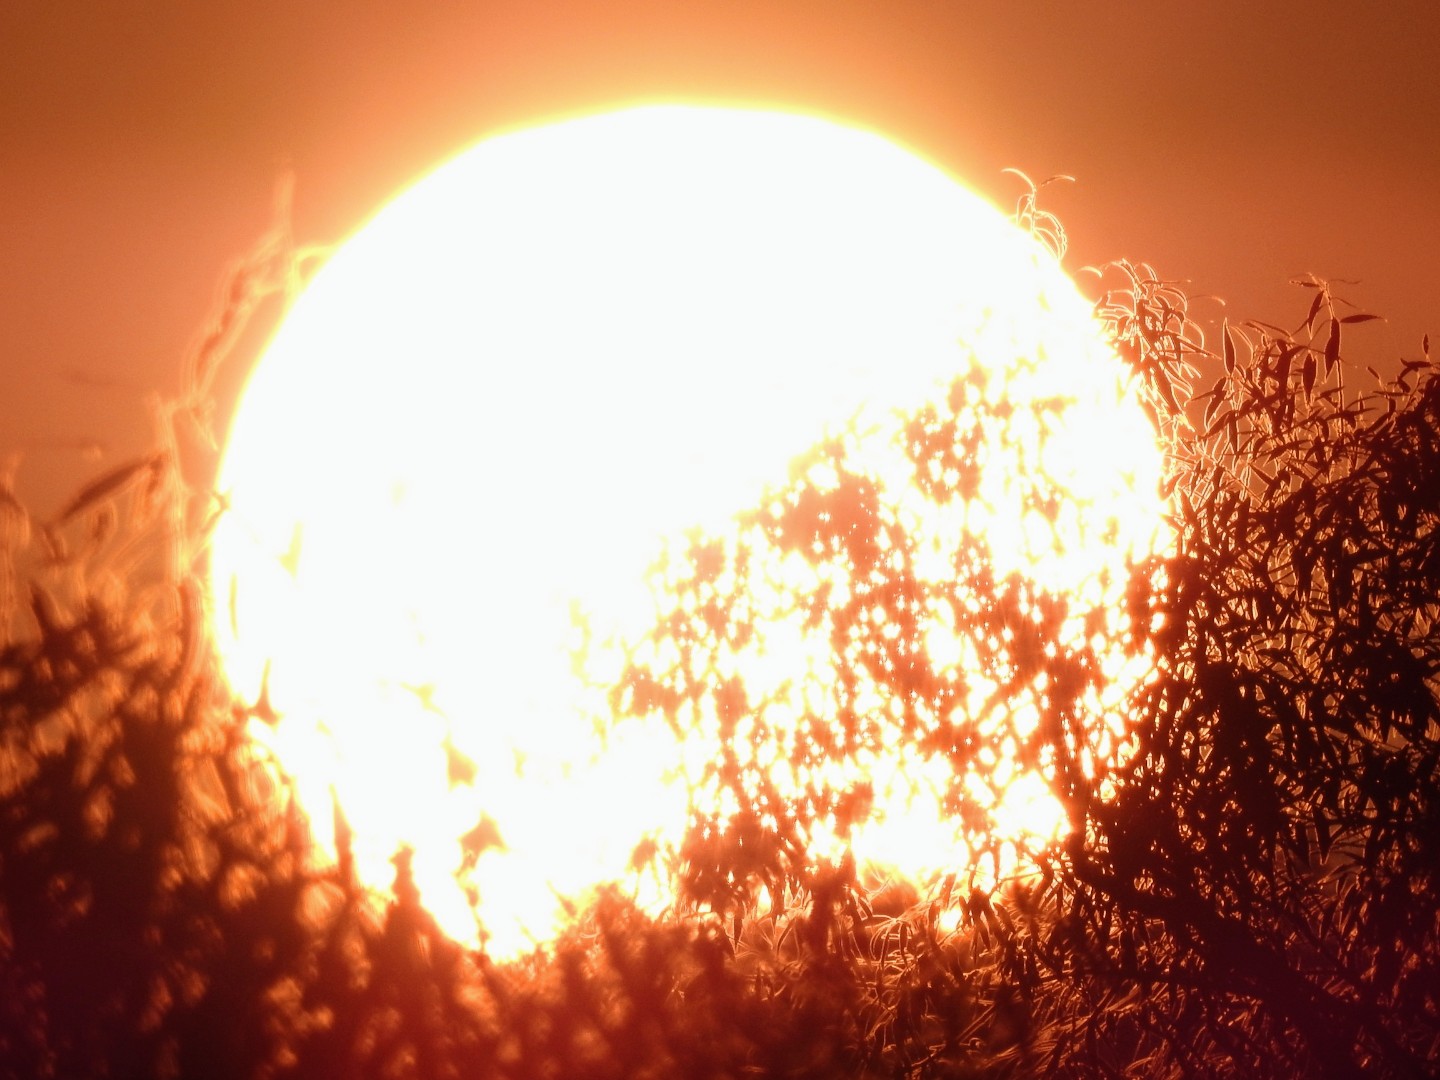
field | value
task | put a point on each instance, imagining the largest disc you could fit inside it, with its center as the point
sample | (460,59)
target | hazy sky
(1232,143)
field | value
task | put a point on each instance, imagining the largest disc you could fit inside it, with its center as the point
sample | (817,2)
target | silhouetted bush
(1254,892)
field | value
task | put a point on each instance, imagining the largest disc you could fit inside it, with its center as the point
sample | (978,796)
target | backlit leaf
(111,483)
(1282,365)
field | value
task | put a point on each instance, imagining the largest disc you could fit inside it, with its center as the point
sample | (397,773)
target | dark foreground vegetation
(1259,896)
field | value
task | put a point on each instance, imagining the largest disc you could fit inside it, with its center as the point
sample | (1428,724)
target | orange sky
(1231,143)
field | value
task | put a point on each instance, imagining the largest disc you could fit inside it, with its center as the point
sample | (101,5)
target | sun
(463,480)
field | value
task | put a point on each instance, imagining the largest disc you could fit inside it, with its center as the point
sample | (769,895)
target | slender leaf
(109,485)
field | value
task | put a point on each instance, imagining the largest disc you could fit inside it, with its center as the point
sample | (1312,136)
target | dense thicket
(1256,891)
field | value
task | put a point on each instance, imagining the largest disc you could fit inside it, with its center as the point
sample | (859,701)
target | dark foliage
(1255,892)
(1279,827)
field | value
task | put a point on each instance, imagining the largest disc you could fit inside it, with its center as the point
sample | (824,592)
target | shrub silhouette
(1251,893)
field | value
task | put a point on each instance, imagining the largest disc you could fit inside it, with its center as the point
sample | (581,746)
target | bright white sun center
(485,416)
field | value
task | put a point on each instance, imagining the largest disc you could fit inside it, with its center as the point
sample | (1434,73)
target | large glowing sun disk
(465,446)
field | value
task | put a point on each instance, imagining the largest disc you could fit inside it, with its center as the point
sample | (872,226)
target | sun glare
(549,431)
